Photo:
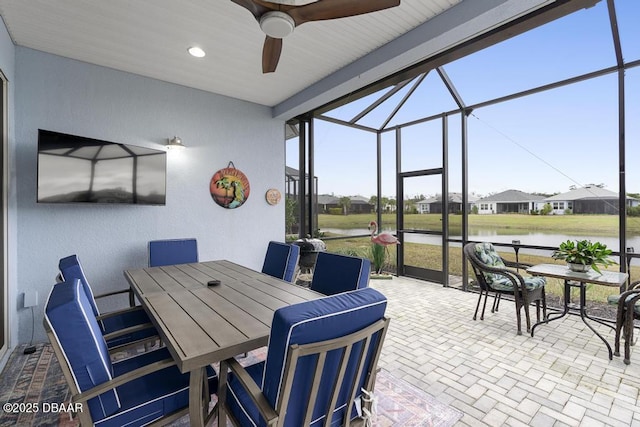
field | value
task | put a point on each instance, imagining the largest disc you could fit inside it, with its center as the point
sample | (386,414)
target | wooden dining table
(203,324)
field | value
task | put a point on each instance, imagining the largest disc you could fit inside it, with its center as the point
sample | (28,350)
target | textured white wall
(68,96)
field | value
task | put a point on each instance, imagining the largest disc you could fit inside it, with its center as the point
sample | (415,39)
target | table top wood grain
(203,324)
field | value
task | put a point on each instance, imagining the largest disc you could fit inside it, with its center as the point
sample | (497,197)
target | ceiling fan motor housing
(277,24)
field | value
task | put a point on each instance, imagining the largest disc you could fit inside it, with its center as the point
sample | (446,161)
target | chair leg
(527,316)
(628,336)
(496,303)
(620,318)
(478,305)
(486,295)
(518,315)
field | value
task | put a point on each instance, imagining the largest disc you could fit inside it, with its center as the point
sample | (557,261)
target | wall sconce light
(175,143)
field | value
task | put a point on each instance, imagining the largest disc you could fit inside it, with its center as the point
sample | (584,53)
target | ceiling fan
(278,20)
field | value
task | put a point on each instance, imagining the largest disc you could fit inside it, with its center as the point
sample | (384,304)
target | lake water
(533,239)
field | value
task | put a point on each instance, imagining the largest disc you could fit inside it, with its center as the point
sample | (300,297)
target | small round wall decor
(273,196)
(229,187)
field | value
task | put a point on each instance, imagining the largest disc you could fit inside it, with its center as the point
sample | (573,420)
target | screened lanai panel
(345,166)
(429,98)
(628,13)
(632,163)
(454,176)
(383,112)
(292,186)
(576,44)
(548,144)
(421,146)
(351,109)
(388,178)
(422,225)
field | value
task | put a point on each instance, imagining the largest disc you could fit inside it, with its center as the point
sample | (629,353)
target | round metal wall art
(273,196)
(229,187)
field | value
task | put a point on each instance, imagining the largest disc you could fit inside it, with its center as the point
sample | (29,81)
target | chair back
(321,355)
(70,269)
(79,346)
(484,255)
(335,273)
(172,251)
(281,260)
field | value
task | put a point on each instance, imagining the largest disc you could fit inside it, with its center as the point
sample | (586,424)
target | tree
(374,201)
(391,203)
(345,202)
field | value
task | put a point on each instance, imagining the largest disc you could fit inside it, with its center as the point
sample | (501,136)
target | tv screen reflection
(76,169)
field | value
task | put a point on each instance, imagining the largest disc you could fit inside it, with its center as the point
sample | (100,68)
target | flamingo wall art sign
(229,187)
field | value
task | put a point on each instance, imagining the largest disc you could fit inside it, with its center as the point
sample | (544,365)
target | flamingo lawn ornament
(380,241)
(384,239)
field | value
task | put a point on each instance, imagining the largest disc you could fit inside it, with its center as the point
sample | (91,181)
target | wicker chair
(493,275)
(628,303)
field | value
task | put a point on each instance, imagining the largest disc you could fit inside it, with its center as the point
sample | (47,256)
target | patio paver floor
(560,377)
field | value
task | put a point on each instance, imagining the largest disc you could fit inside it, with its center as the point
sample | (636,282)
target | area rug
(36,378)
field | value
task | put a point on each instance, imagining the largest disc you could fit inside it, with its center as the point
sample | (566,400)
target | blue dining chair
(120,327)
(281,260)
(146,387)
(335,273)
(321,359)
(172,251)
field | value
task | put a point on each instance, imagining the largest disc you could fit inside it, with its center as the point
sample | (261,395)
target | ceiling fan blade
(256,9)
(333,9)
(271,54)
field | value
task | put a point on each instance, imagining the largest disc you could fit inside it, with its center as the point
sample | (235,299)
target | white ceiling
(151,37)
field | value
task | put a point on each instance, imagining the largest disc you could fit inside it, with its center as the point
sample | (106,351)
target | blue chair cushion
(172,251)
(336,273)
(146,399)
(313,321)
(70,268)
(125,320)
(240,404)
(135,403)
(281,260)
(69,315)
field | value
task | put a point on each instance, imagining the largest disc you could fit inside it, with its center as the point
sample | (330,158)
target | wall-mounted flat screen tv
(76,169)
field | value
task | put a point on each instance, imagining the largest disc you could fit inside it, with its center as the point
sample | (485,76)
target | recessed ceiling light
(196,51)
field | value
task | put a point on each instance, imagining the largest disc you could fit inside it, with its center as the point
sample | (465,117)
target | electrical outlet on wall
(30,299)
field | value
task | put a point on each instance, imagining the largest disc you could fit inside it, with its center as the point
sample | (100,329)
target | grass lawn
(588,225)
(424,255)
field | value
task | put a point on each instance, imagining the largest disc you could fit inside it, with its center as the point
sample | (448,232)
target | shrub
(633,210)
(335,211)
(546,209)
(377,255)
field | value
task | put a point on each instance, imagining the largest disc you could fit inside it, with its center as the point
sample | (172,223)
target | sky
(543,143)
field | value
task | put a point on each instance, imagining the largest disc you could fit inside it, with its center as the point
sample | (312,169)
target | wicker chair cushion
(501,283)
(613,300)
(490,257)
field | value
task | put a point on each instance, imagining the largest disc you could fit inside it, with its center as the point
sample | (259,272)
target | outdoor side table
(574,279)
